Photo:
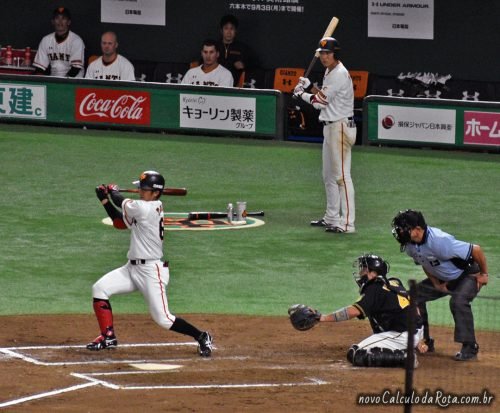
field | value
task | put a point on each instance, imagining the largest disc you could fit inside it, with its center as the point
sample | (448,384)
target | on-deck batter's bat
(166,191)
(192,216)
(328,33)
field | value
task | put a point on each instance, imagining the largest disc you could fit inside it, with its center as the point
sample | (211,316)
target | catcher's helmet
(373,263)
(151,181)
(328,44)
(404,222)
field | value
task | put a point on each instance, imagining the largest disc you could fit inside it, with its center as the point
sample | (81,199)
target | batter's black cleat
(103,341)
(319,223)
(205,344)
(469,352)
(429,342)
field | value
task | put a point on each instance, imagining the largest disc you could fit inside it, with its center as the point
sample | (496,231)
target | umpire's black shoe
(469,352)
(205,344)
(319,223)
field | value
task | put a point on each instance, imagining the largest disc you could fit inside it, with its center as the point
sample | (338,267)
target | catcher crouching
(385,302)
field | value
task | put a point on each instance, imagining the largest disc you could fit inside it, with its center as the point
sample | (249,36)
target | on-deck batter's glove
(101,192)
(305,82)
(303,317)
(299,89)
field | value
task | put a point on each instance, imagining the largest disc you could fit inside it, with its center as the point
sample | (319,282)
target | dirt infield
(260,365)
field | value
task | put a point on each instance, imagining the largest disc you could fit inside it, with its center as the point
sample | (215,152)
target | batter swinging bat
(166,191)
(192,216)
(328,33)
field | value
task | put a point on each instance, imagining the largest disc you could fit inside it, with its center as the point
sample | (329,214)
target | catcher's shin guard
(379,357)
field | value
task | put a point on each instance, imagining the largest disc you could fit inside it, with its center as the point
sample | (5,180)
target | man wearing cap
(60,53)
(335,100)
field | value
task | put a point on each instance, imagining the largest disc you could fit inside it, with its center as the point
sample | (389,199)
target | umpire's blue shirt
(437,253)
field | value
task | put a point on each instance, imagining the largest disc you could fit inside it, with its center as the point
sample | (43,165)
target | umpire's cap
(63,11)
(151,181)
(328,44)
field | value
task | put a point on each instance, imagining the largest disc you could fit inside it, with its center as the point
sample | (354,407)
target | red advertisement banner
(482,128)
(113,106)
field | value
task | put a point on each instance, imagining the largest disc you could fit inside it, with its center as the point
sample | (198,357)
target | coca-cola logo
(113,106)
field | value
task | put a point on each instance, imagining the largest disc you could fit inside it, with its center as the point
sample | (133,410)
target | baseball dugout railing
(146,106)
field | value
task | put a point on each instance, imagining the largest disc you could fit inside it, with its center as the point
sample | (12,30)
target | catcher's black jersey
(385,308)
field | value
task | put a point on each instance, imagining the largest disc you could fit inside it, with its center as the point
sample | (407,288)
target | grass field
(54,245)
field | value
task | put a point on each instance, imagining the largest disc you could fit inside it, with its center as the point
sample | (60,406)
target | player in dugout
(60,53)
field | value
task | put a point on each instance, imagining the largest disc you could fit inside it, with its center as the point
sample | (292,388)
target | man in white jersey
(335,100)
(453,267)
(60,53)
(111,65)
(144,271)
(210,73)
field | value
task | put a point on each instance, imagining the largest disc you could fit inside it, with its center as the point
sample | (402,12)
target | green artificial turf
(54,246)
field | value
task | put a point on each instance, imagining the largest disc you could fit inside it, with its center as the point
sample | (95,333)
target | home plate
(156,366)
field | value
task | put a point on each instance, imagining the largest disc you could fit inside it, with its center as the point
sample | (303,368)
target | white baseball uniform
(60,56)
(336,103)
(219,76)
(144,271)
(118,69)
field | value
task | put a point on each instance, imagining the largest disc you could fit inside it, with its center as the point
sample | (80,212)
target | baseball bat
(192,216)
(166,191)
(328,33)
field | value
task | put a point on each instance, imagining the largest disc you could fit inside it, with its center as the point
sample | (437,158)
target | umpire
(453,267)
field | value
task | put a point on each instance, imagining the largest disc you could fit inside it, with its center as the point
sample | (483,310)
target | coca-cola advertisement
(113,106)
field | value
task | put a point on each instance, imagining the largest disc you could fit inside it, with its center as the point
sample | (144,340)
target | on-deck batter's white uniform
(60,56)
(339,136)
(220,76)
(119,69)
(144,271)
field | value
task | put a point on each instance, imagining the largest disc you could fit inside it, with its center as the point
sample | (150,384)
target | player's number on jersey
(161,228)
(403,301)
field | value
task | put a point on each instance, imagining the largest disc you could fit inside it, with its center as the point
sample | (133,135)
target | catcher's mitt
(303,317)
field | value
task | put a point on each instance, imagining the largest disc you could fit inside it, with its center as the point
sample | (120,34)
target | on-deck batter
(335,101)
(144,271)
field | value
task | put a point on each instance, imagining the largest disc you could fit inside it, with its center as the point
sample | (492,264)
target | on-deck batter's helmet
(404,222)
(373,263)
(328,44)
(151,181)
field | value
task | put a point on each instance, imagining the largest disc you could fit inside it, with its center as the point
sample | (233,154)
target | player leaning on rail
(144,271)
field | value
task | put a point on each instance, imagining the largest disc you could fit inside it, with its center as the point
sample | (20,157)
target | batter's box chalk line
(91,377)
(101,379)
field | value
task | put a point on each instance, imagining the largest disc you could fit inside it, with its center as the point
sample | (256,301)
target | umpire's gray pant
(462,290)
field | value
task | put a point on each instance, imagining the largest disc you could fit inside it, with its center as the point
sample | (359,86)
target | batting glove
(101,192)
(305,82)
(299,89)
(112,188)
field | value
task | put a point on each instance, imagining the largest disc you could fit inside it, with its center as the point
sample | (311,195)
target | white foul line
(48,394)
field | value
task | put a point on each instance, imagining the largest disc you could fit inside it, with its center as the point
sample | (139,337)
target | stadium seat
(286,78)
(167,72)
